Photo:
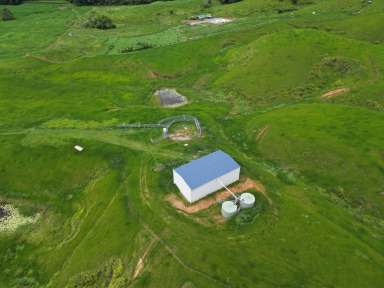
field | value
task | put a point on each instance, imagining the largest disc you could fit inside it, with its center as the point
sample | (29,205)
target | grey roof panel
(207,168)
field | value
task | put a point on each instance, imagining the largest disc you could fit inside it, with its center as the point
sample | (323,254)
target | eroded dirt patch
(170,97)
(184,133)
(207,202)
(213,20)
(334,93)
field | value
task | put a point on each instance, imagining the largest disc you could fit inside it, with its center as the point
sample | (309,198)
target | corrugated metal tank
(228,209)
(247,200)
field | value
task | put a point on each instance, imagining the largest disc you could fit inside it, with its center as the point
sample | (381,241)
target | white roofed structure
(206,175)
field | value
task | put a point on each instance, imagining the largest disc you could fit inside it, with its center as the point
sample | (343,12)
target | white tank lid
(229,207)
(247,198)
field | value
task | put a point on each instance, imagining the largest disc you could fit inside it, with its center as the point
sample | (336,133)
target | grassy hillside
(257,85)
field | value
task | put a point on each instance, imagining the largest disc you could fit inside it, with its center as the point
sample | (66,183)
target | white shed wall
(214,185)
(183,187)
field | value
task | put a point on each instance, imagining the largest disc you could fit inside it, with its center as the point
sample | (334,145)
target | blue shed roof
(207,168)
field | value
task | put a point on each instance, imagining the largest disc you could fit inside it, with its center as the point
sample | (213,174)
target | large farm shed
(206,175)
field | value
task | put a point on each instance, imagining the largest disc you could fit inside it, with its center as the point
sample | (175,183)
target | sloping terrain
(255,84)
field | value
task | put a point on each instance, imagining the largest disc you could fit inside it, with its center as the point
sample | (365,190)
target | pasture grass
(321,161)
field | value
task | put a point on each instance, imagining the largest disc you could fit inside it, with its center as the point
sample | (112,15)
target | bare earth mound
(205,203)
(170,97)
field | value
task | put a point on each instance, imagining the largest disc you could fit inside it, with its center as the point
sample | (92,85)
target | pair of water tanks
(230,208)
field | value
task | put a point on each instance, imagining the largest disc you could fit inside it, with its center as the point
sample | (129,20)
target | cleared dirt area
(184,133)
(334,93)
(170,97)
(214,20)
(205,203)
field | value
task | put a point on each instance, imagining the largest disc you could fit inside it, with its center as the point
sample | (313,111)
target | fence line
(164,123)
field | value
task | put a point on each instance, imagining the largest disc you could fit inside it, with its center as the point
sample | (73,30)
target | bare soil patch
(213,20)
(183,134)
(170,97)
(334,93)
(207,202)
(180,137)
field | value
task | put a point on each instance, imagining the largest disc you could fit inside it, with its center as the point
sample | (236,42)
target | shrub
(7,15)
(139,46)
(10,2)
(207,3)
(99,22)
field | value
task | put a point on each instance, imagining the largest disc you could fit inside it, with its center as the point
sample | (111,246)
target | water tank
(228,209)
(247,200)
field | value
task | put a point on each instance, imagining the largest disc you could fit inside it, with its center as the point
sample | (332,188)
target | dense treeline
(112,2)
(229,1)
(10,2)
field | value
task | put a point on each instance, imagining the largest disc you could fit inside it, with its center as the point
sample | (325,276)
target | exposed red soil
(207,202)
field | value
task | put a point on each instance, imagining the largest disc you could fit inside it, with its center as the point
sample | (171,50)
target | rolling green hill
(260,85)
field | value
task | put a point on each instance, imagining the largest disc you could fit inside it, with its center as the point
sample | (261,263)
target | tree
(99,22)
(10,2)
(7,15)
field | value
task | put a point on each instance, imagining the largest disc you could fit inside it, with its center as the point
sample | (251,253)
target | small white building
(206,175)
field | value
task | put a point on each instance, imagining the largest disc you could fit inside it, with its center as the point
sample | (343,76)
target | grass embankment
(256,86)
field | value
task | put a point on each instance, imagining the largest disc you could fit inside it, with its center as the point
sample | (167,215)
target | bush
(139,46)
(10,2)
(99,22)
(7,15)
(207,3)
(248,216)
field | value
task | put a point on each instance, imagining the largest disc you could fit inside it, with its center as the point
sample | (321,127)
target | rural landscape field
(292,90)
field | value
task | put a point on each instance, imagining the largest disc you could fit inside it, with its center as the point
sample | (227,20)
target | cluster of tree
(10,2)
(229,1)
(112,2)
(99,22)
(7,15)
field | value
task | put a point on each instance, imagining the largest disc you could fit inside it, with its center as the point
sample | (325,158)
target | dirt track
(334,93)
(205,203)
(262,133)
(140,264)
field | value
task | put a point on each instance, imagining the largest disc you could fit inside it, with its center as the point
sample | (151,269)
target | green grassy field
(256,85)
